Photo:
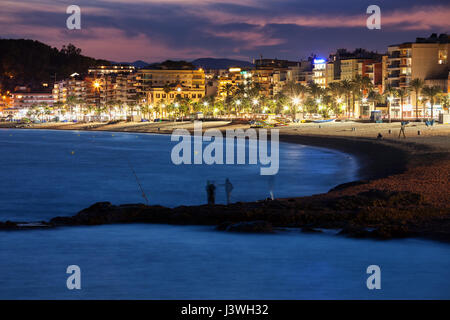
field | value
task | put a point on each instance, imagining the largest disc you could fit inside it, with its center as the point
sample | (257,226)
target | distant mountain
(137,64)
(205,63)
(172,65)
(32,63)
(212,63)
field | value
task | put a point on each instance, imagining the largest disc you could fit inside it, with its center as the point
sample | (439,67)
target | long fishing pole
(138,182)
(135,176)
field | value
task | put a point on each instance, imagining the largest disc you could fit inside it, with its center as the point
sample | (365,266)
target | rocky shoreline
(404,193)
(371,214)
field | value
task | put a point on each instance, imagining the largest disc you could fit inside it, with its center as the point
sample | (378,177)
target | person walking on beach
(228,189)
(211,192)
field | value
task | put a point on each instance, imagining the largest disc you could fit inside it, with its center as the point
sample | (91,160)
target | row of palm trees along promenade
(409,82)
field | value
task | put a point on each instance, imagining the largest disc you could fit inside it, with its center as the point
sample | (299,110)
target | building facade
(166,85)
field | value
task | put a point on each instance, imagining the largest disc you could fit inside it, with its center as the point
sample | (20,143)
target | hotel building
(112,86)
(425,59)
(320,72)
(268,72)
(166,85)
(26,100)
(72,87)
(234,77)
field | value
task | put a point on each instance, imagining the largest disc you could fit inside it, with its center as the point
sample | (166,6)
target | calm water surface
(48,173)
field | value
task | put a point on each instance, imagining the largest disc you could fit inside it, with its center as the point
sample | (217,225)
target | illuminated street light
(176,105)
(205,103)
(255,101)
(390,99)
(296,100)
(96,85)
(319,100)
(339,100)
(238,102)
(364,100)
(286,108)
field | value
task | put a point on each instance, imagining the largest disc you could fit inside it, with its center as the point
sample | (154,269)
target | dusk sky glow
(155,30)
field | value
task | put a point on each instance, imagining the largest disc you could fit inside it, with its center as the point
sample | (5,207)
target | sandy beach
(410,175)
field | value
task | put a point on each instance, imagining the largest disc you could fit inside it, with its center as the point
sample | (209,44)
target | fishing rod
(138,182)
(134,173)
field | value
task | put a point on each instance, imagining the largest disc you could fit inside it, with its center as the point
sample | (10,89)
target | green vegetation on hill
(31,63)
(172,65)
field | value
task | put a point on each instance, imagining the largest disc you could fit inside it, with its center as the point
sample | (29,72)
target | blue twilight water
(41,178)
(49,173)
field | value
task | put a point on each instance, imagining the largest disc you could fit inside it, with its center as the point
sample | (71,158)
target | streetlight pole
(390,99)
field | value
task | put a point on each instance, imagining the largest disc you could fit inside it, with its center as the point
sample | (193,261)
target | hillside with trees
(31,63)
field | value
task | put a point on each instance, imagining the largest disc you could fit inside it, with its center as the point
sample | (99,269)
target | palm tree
(402,93)
(110,105)
(347,89)
(280,100)
(336,91)
(167,90)
(58,106)
(145,109)
(445,102)
(241,90)
(71,102)
(47,111)
(294,90)
(375,98)
(361,84)
(416,85)
(157,110)
(328,102)
(228,90)
(314,90)
(431,93)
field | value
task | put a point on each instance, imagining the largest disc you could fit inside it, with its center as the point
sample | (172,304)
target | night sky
(154,30)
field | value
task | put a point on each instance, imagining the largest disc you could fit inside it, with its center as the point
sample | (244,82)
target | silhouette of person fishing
(211,192)
(228,189)
(271,187)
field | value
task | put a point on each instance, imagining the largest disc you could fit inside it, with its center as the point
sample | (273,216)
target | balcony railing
(394,65)
(395,74)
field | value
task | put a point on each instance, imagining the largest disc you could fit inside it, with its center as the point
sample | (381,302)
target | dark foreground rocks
(371,214)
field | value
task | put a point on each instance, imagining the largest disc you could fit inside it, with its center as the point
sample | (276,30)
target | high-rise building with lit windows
(425,59)
(320,72)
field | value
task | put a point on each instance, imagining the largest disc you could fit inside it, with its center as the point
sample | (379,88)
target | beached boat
(325,121)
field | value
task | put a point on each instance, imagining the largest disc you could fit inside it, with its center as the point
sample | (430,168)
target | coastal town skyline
(410,81)
(224,158)
(154,30)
